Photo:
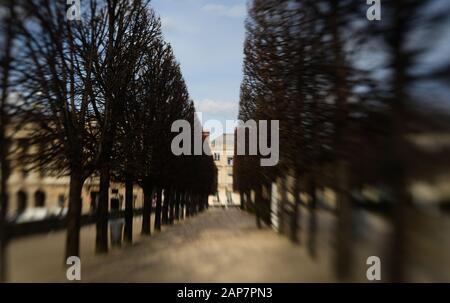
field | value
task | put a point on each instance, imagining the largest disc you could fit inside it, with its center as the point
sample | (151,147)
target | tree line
(101,94)
(347,94)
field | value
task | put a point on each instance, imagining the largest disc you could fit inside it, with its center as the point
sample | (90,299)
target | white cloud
(214,107)
(170,25)
(232,11)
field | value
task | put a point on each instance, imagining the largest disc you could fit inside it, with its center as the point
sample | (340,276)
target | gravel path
(216,246)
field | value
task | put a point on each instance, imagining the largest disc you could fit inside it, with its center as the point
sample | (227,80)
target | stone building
(222,149)
(34,194)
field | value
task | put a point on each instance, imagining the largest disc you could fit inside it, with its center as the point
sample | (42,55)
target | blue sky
(207,37)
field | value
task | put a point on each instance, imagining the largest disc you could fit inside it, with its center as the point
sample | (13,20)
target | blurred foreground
(225,246)
(216,246)
(363,114)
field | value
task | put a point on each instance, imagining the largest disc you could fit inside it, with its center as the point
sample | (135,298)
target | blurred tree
(343,125)
(55,81)
(129,27)
(7,19)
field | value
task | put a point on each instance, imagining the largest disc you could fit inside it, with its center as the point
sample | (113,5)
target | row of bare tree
(347,94)
(101,95)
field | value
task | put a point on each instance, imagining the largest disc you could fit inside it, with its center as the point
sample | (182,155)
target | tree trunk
(177,205)
(4,175)
(7,45)
(193,205)
(312,230)
(282,206)
(205,201)
(101,243)
(189,208)
(182,206)
(248,200)
(128,230)
(3,211)
(344,236)
(165,208)
(188,205)
(296,232)
(172,207)
(147,210)
(395,173)
(158,209)
(201,203)
(74,214)
(258,198)
(341,89)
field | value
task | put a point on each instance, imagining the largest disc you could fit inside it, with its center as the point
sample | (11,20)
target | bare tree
(129,28)
(55,82)
(7,19)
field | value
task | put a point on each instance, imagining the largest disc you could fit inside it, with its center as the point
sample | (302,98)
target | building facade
(34,195)
(222,149)
(37,196)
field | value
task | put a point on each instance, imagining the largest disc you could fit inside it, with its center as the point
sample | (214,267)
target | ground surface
(224,245)
(216,246)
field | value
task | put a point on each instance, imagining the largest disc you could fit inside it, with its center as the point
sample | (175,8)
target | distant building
(222,149)
(33,194)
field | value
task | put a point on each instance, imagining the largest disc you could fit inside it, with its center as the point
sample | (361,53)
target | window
(39,199)
(61,200)
(216,157)
(22,201)
(230,160)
